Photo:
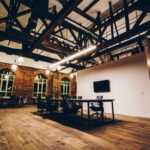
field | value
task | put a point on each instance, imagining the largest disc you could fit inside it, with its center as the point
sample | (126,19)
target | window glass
(3,85)
(35,87)
(10,84)
(65,86)
(40,86)
(44,88)
(6,83)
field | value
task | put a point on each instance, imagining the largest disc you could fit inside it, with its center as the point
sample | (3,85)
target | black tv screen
(101,86)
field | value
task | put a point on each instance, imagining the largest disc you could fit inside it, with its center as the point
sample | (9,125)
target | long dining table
(88,102)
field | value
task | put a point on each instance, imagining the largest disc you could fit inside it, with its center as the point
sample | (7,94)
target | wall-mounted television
(101,86)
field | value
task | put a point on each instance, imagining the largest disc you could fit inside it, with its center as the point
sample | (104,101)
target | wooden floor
(20,129)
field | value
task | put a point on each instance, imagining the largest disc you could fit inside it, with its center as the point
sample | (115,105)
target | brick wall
(24,81)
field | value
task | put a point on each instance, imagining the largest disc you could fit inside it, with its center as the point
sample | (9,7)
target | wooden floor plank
(20,129)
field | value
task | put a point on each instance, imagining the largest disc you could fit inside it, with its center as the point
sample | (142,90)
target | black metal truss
(53,40)
(36,57)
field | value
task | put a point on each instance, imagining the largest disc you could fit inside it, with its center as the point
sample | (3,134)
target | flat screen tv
(101,86)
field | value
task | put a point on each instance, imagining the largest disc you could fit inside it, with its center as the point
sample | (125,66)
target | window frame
(64,85)
(40,92)
(9,73)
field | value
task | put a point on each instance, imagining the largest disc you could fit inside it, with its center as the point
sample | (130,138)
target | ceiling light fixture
(19,60)
(47,72)
(58,68)
(71,75)
(72,57)
(14,67)
(148,36)
(6,76)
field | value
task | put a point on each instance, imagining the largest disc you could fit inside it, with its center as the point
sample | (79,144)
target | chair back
(39,102)
(48,100)
(65,97)
(79,97)
(99,97)
(13,98)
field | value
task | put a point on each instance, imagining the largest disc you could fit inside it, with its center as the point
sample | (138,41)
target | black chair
(69,108)
(1,102)
(40,105)
(79,104)
(13,101)
(99,97)
(97,108)
(64,104)
(79,97)
(76,106)
(51,106)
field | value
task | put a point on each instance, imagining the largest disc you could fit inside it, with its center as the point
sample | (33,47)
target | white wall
(10,59)
(129,81)
(4,58)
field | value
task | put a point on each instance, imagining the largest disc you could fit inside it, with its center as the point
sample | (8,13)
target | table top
(86,100)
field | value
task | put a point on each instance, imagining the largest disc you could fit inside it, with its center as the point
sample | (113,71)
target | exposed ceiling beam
(90,5)
(127,35)
(58,20)
(119,13)
(120,41)
(25,12)
(18,37)
(80,12)
(37,57)
(12,51)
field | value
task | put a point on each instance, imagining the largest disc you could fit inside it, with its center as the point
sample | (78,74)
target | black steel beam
(114,48)
(126,52)
(58,20)
(80,12)
(17,36)
(112,20)
(22,13)
(133,5)
(37,57)
(120,41)
(90,5)
(140,19)
(126,15)
(18,52)
(124,36)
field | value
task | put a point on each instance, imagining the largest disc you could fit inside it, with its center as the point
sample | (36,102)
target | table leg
(102,112)
(82,111)
(88,107)
(113,116)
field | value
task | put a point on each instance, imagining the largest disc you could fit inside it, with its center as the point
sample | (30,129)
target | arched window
(65,87)
(6,83)
(40,86)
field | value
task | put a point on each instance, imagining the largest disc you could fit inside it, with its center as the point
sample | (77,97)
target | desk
(101,102)
(88,101)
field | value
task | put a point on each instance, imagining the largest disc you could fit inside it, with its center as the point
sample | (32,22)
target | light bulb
(53,68)
(58,68)
(71,75)
(20,60)
(6,76)
(14,67)
(74,56)
(47,72)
